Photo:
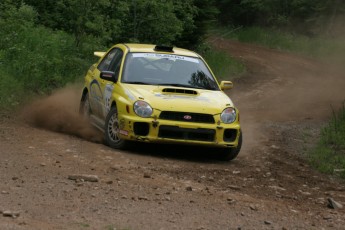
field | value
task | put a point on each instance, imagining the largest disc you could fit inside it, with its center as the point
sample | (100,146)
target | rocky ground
(68,180)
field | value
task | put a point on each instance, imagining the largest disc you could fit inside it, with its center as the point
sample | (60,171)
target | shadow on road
(177,152)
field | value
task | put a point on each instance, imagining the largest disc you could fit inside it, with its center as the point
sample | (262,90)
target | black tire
(111,131)
(84,108)
(229,154)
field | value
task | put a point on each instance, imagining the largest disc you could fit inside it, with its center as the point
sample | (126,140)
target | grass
(321,47)
(328,156)
(223,65)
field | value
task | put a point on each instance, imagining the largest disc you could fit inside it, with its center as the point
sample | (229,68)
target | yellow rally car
(149,93)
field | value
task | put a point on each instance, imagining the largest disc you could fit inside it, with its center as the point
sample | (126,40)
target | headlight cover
(142,109)
(228,115)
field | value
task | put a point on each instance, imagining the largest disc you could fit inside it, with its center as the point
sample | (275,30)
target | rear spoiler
(99,53)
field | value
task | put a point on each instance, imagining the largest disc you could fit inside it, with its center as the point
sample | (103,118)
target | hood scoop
(180,91)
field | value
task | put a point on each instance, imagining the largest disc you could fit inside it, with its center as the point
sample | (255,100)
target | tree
(171,22)
(153,22)
(296,15)
(196,16)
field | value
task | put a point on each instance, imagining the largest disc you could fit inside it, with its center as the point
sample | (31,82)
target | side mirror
(108,76)
(226,85)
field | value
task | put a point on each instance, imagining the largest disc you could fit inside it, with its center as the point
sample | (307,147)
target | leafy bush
(35,59)
(11,92)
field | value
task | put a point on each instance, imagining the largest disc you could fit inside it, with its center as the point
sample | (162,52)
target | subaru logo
(187,117)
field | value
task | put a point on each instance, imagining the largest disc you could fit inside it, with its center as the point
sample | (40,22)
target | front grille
(174,132)
(187,117)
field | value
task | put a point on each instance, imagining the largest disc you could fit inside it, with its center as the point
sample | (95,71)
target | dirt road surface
(284,99)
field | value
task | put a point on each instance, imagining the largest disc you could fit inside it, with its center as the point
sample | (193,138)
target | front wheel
(112,130)
(229,154)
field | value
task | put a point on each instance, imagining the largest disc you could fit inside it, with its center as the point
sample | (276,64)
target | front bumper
(168,131)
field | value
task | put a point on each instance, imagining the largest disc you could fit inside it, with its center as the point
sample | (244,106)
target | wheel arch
(84,93)
(113,104)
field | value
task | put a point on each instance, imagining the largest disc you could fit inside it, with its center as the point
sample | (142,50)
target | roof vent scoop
(182,91)
(164,48)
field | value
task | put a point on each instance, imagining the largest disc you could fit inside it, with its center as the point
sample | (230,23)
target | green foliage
(171,22)
(196,19)
(329,154)
(154,21)
(82,18)
(40,58)
(35,59)
(11,92)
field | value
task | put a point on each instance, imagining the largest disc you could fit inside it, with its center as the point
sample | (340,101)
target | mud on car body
(148,93)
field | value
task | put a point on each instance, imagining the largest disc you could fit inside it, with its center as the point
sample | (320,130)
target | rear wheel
(229,154)
(112,130)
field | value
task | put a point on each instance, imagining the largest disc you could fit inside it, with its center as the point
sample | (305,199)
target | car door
(101,90)
(113,64)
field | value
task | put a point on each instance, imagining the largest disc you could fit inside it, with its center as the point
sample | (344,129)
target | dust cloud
(59,112)
(282,88)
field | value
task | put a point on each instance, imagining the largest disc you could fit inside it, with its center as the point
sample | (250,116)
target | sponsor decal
(167,56)
(124,132)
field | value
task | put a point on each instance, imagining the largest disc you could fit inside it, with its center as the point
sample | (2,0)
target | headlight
(142,109)
(228,115)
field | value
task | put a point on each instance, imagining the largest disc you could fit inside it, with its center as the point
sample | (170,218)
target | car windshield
(167,69)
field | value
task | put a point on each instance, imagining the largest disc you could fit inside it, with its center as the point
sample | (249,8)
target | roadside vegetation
(224,67)
(35,59)
(329,154)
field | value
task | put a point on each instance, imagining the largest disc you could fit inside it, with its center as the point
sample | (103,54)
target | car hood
(169,98)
